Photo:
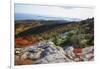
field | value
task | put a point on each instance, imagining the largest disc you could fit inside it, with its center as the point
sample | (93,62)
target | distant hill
(41,28)
(19,16)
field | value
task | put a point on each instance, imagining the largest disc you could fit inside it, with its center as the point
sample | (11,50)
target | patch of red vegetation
(25,41)
(77,51)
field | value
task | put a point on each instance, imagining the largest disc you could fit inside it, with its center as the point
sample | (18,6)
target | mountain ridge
(20,16)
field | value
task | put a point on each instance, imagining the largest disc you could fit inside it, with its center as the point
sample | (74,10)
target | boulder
(88,50)
(70,52)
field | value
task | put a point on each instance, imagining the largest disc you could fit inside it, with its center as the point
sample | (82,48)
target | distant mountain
(19,16)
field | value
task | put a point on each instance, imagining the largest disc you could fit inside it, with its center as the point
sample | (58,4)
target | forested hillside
(78,34)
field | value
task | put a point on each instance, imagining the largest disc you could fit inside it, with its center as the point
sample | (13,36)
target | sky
(55,11)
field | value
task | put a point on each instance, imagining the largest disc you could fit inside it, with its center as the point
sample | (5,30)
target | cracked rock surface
(46,52)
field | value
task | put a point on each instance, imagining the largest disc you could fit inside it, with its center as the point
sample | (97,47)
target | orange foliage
(23,62)
(25,41)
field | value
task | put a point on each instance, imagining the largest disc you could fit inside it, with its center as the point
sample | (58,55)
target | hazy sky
(55,11)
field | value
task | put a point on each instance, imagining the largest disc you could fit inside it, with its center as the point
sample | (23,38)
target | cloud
(55,11)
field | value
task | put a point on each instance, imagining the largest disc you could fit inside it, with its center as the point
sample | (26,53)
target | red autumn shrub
(21,41)
(25,41)
(77,50)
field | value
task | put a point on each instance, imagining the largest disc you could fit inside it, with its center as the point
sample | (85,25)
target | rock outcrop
(46,52)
